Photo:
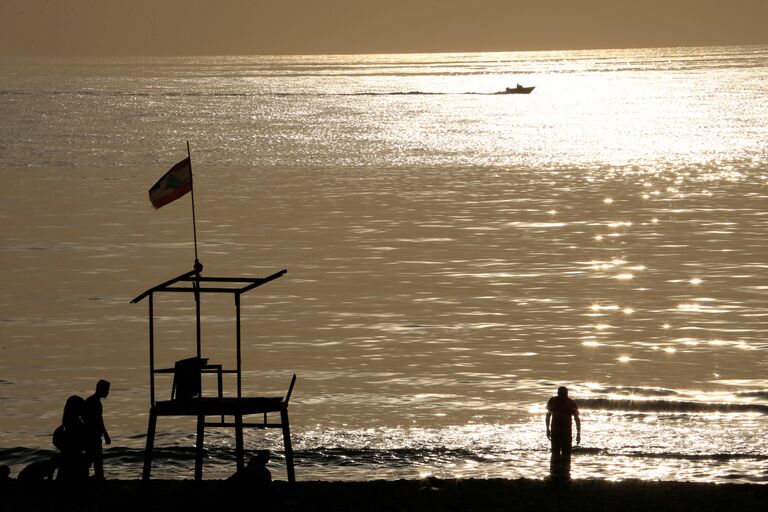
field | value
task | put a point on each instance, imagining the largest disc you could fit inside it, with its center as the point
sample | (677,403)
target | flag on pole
(174,184)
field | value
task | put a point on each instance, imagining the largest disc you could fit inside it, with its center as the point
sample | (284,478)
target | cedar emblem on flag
(174,184)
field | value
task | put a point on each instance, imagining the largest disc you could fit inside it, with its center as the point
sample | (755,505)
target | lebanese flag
(174,184)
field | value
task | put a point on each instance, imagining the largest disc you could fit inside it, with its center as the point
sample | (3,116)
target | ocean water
(453,256)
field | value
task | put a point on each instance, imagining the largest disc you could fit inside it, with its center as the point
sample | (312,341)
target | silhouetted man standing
(560,409)
(94,427)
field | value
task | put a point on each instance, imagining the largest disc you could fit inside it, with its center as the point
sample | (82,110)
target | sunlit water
(453,256)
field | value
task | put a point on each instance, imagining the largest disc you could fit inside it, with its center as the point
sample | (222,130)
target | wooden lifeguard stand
(186,394)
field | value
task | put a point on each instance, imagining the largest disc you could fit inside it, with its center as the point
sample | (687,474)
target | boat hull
(518,90)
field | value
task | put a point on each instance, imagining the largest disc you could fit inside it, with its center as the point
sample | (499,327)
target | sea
(453,255)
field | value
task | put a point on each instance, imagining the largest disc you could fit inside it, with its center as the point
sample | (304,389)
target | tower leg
(239,447)
(150,444)
(287,443)
(199,448)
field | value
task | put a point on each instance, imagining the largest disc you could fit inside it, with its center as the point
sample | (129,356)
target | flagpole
(198,266)
(192,191)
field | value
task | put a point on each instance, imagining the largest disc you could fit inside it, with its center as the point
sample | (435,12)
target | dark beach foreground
(381,495)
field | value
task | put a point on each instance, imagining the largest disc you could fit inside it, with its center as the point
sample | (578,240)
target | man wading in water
(560,410)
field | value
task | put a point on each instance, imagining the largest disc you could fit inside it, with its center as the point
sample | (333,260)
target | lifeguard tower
(186,396)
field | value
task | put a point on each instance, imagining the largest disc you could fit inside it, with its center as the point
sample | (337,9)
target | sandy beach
(399,495)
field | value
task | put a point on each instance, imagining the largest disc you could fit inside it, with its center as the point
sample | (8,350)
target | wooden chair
(187,378)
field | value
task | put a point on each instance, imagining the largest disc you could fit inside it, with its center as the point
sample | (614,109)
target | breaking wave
(671,406)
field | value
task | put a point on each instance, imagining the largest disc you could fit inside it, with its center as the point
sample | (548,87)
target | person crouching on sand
(256,472)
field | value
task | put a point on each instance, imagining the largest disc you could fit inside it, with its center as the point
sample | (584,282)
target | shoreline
(390,495)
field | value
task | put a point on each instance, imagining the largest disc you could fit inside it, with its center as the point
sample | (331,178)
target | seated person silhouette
(39,470)
(256,472)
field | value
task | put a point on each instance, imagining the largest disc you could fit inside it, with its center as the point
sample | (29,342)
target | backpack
(59,437)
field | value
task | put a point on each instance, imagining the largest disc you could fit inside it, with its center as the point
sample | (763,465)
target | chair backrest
(290,389)
(186,378)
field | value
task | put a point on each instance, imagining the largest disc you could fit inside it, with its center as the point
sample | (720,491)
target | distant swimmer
(560,410)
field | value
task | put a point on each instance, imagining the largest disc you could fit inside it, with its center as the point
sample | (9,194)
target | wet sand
(400,495)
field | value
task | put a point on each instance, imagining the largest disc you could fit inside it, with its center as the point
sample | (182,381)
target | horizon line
(350,54)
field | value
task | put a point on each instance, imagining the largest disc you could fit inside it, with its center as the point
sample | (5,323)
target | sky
(247,27)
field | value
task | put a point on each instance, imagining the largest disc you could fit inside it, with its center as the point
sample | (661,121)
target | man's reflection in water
(559,469)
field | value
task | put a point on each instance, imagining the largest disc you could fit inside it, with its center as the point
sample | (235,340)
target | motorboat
(517,90)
